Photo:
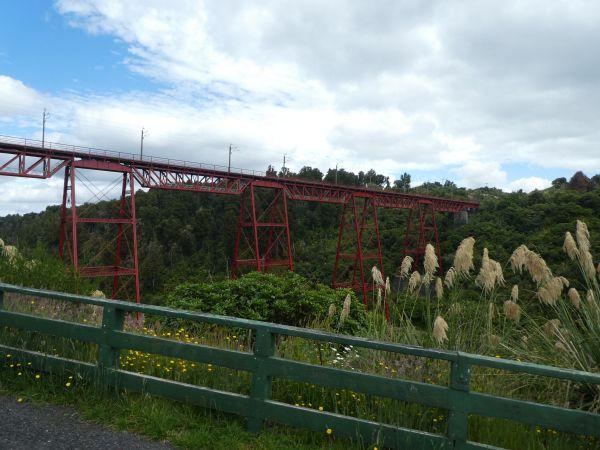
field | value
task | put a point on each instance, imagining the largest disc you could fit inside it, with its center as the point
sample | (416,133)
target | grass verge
(183,426)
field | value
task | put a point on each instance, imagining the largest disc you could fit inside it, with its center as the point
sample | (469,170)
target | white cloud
(17,99)
(22,195)
(395,86)
(529,184)
(490,174)
(516,85)
(477,174)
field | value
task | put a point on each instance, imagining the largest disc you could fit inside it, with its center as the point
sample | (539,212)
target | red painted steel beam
(25,169)
(105,166)
(161,173)
(107,271)
(102,220)
(26,157)
(70,219)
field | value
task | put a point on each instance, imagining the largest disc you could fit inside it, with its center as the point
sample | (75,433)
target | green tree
(559,183)
(403,183)
(310,173)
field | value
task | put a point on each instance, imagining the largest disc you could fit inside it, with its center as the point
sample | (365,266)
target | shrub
(289,299)
(42,271)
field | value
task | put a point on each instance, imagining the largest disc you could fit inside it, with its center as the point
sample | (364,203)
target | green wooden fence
(265,366)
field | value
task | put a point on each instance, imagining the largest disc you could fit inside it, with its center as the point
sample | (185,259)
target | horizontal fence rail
(264,366)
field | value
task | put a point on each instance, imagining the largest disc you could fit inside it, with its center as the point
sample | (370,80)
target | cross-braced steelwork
(421,229)
(359,245)
(262,238)
(124,256)
(186,180)
(263,233)
(30,165)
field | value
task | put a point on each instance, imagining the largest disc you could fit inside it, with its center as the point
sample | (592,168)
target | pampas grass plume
(587,263)
(494,340)
(574,297)
(450,277)
(377,277)
(431,262)
(440,327)
(590,297)
(439,288)
(583,236)
(11,252)
(490,274)
(512,311)
(414,281)
(570,247)
(514,293)
(463,258)
(560,346)
(331,311)
(405,266)
(551,327)
(524,259)
(345,309)
(551,291)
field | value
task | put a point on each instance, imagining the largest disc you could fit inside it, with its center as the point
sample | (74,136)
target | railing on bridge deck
(255,239)
(124,157)
(264,366)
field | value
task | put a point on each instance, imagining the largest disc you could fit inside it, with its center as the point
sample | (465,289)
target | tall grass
(474,310)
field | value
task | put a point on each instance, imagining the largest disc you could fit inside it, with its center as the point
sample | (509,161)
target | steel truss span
(262,239)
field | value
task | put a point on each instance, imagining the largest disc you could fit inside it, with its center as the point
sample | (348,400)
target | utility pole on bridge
(45,116)
(144,134)
(232,149)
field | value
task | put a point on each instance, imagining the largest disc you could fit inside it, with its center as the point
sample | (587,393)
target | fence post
(264,347)
(108,356)
(1,300)
(458,421)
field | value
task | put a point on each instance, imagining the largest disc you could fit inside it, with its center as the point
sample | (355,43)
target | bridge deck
(34,159)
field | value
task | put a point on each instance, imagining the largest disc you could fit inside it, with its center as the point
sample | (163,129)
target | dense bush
(186,237)
(289,299)
(38,269)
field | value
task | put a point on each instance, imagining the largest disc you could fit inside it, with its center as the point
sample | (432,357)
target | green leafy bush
(289,299)
(39,269)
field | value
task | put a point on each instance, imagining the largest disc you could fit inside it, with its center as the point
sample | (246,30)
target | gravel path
(30,426)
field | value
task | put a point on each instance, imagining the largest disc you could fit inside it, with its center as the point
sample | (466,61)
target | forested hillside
(186,236)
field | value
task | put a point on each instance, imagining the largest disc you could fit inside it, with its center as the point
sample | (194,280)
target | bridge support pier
(358,247)
(421,233)
(125,241)
(262,238)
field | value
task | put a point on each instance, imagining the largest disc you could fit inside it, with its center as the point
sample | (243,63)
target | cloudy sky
(489,93)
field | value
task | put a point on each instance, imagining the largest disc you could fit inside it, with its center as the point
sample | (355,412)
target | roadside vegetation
(186,237)
(517,309)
